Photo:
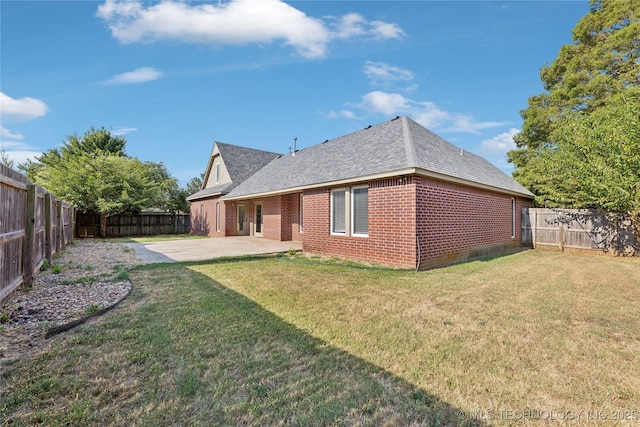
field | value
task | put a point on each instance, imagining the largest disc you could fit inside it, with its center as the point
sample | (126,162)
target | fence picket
(578,230)
(29,230)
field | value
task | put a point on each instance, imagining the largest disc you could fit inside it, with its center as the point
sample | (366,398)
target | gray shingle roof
(395,145)
(241,163)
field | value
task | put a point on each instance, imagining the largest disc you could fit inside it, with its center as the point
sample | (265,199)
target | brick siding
(412,220)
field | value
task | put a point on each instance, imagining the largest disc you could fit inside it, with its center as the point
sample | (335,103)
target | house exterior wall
(458,223)
(203,218)
(413,220)
(280,217)
(392,225)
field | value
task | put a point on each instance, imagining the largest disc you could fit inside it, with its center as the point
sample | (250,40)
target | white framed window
(217,173)
(217,216)
(350,211)
(339,211)
(360,211)
(513,218)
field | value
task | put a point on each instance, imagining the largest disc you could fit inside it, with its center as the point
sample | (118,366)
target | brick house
(394,194)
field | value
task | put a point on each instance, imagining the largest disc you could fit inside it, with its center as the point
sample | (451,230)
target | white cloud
(21,109)
(466,123)
(17,150)
(385,103)
(7,134)
(236,22)
(139,75)
(425,112)
(380,72)
(500,143)
(342,114)
(349,26)
(21,156)
(122,131)
(386,30)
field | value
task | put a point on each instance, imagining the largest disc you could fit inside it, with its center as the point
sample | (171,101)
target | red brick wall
(272,218)
(457,223)
(280,217)
(453,222)
(391,240)
(203,222)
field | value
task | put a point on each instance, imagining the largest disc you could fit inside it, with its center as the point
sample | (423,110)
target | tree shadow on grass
(186,350)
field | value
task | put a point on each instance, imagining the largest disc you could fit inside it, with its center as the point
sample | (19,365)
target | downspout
(418,246)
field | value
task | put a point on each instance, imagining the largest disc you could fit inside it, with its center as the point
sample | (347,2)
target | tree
(4,158)
(93,142)
(595,160)
(94,175)
(601,63)
(195,184)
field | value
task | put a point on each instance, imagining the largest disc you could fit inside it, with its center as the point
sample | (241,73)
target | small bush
(122,276)
(92,308)
(56,268)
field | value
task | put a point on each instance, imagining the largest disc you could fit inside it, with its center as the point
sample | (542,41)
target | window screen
(360,210)
(337,211)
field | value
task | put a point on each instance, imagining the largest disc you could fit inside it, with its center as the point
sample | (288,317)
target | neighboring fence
(144,224)
(34,226)
(573,229)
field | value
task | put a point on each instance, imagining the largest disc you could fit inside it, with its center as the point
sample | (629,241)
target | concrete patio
(203,249)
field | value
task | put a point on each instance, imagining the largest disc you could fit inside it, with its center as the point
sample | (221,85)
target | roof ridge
(409,146)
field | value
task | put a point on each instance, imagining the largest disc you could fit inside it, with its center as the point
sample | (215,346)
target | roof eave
(335,183)
(203,196)
(407,171)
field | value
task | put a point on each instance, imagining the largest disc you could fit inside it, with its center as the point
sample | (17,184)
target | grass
(158,238)
(261,341)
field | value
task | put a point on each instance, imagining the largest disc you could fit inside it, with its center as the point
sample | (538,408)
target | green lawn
(264,341)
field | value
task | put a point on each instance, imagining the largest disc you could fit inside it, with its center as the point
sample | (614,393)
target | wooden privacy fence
(579,230)
(34,226)
(143,224)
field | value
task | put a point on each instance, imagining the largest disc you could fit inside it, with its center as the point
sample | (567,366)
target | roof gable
(236,165)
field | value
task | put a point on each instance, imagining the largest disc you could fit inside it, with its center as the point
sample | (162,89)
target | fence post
(29,239)
(60,243)
(534,227)
(48,250)
(72,222)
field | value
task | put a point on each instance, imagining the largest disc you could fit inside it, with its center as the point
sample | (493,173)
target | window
(338,212)
(350,211)
(360,211)
(217,216)
(513,218)
(217,173)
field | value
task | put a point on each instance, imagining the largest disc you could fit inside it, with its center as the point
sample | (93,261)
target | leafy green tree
(595,160)
(601,63)
(94,175)
(93,142)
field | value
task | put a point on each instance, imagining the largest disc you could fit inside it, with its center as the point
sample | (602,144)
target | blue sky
(173,77)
